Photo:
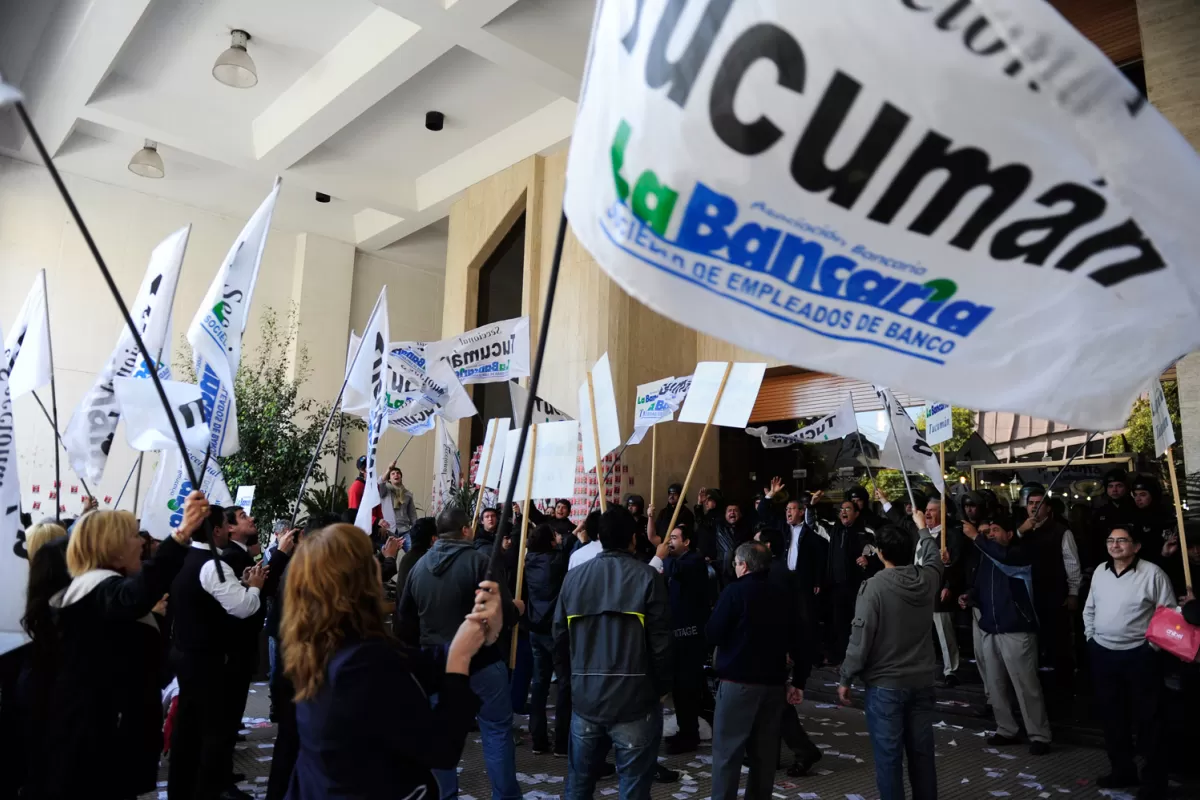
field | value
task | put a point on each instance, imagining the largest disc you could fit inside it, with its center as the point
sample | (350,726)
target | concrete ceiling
(339,107)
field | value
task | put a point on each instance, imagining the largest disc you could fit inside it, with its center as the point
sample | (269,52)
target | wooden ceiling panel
(1112,25)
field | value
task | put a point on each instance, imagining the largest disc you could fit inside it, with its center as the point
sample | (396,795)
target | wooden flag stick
(942,463)
(512,656)
(699,447)
(493,423)
(1187,568)
(596,442)
(653,461)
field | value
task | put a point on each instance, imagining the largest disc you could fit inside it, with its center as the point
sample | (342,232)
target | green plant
(1139,428)
(962,425)
(463,497)
(892,483)
(278,427)
(327,499)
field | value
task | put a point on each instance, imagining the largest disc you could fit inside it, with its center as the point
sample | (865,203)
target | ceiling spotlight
(434,120)
(235,67)
(147,162)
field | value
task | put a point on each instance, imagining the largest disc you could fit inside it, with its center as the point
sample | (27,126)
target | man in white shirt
(1126,669)
(205,595)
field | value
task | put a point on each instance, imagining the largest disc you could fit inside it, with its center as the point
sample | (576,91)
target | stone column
(1170,34)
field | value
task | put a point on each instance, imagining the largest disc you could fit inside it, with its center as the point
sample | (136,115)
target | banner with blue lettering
(837,425)
(657,402)
(216,331)
(369,375)
(89,435)
(492,353)
(935,196)
(162,508)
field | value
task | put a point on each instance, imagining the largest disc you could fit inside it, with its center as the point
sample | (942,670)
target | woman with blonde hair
(367,728)
(44,532)
(104,713)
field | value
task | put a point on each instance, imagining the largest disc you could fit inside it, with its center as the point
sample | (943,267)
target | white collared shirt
(237,600)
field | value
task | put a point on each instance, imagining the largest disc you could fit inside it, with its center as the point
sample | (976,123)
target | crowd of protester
(384,649)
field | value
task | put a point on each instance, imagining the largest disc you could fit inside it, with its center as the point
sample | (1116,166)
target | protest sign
(554,464)
(939,423)
(542,411)
(866,193)
(596,395)
(245,498)
(492,353)
(657,402)
(737,401)
(493,453)
(1160,419)
(90,432)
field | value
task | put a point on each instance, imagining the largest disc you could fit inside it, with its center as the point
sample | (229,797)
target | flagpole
(324,432)
(862,447)
(124,486)
(1183,546)
(596,441)
(104,271)
(495,570)
(512,656)
(137,486)
(609,471)
(903,470)
(942,463)
(53,397)
(1079,452)
(699,447)
(402,449)
(653,462)
(59,440)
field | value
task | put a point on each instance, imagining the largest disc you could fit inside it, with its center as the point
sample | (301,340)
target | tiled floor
(967,767)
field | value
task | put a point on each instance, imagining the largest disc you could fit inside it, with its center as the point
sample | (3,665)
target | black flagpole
(494,569)
(54,402)
(108,278)
(607,472)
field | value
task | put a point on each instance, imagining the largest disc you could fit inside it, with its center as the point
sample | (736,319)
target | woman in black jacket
(545,568)
(367,728)
(103,719)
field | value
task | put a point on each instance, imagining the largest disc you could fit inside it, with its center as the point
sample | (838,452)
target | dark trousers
(287,740)
(688,690)
(1128,687)
(239,676)
(793,735)
(1055,631)
(543,668)
(202,741)
(841,616)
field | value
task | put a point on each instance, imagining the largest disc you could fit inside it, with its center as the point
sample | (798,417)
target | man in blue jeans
(440,587)
(614,619)
(891,651)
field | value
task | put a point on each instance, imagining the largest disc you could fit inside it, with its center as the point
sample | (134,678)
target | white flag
(542,411)
(14,570)
(27,346)
(369,375)
(1160,419)
(855,188)
(162,508)
(905,449)
(657,402)
(147,426)
(89,434)
(491,353)
(448,470)
(216,331)
(835,426)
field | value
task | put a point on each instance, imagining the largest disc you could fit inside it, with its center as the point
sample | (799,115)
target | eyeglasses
(1119,541)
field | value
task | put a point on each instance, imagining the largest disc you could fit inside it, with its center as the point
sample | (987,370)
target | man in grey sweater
(891,651)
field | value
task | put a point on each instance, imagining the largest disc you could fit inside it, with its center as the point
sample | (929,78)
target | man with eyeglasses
(1127,671)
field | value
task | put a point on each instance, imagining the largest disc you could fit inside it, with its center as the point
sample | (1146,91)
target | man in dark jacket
(687,587)
(560,521)
(862,499)
(545,568)
(637,507)
(1003,592)
(730,532)
(1113,507)
(755,635)
(440,591)
(242,661)
(1153,519)
(663,518)
(848,565)
(421,539)
(614,615)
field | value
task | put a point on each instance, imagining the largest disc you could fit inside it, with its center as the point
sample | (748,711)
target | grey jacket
(890,645)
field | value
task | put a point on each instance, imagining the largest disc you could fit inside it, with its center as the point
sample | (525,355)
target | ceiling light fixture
(235,67)
(147,162)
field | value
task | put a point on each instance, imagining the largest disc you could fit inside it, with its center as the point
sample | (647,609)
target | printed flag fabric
(870,190)
(542,411)
(27,346)
(14,570)
(448,469)
(835,426)
(657,402)
(216,331)
(905,449)
(162,507)
(147,426)
(369,375)
(89,434)
(491,353)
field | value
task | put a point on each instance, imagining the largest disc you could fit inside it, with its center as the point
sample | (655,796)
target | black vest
(201,625)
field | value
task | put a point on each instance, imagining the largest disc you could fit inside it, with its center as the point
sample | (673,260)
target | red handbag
(1170,632)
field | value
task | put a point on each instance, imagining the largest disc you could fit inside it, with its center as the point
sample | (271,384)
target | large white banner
(27,346)
(162,508)
(89,434)
(216,331)
(417,389)
(905,448)
(491,353)
(557,452)
(736,399)
(1160,419)
(835,426)
(369,375)
(14,570)
(895,192)
(542,411)
(147,426)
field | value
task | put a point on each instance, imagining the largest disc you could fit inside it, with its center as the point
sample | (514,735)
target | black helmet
(675,488)
(362,463)
(859,493)
(1148,484)
(1116,475)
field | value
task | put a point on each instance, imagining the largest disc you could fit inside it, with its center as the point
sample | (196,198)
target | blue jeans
(636,751)
(495,717)
(900,722)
